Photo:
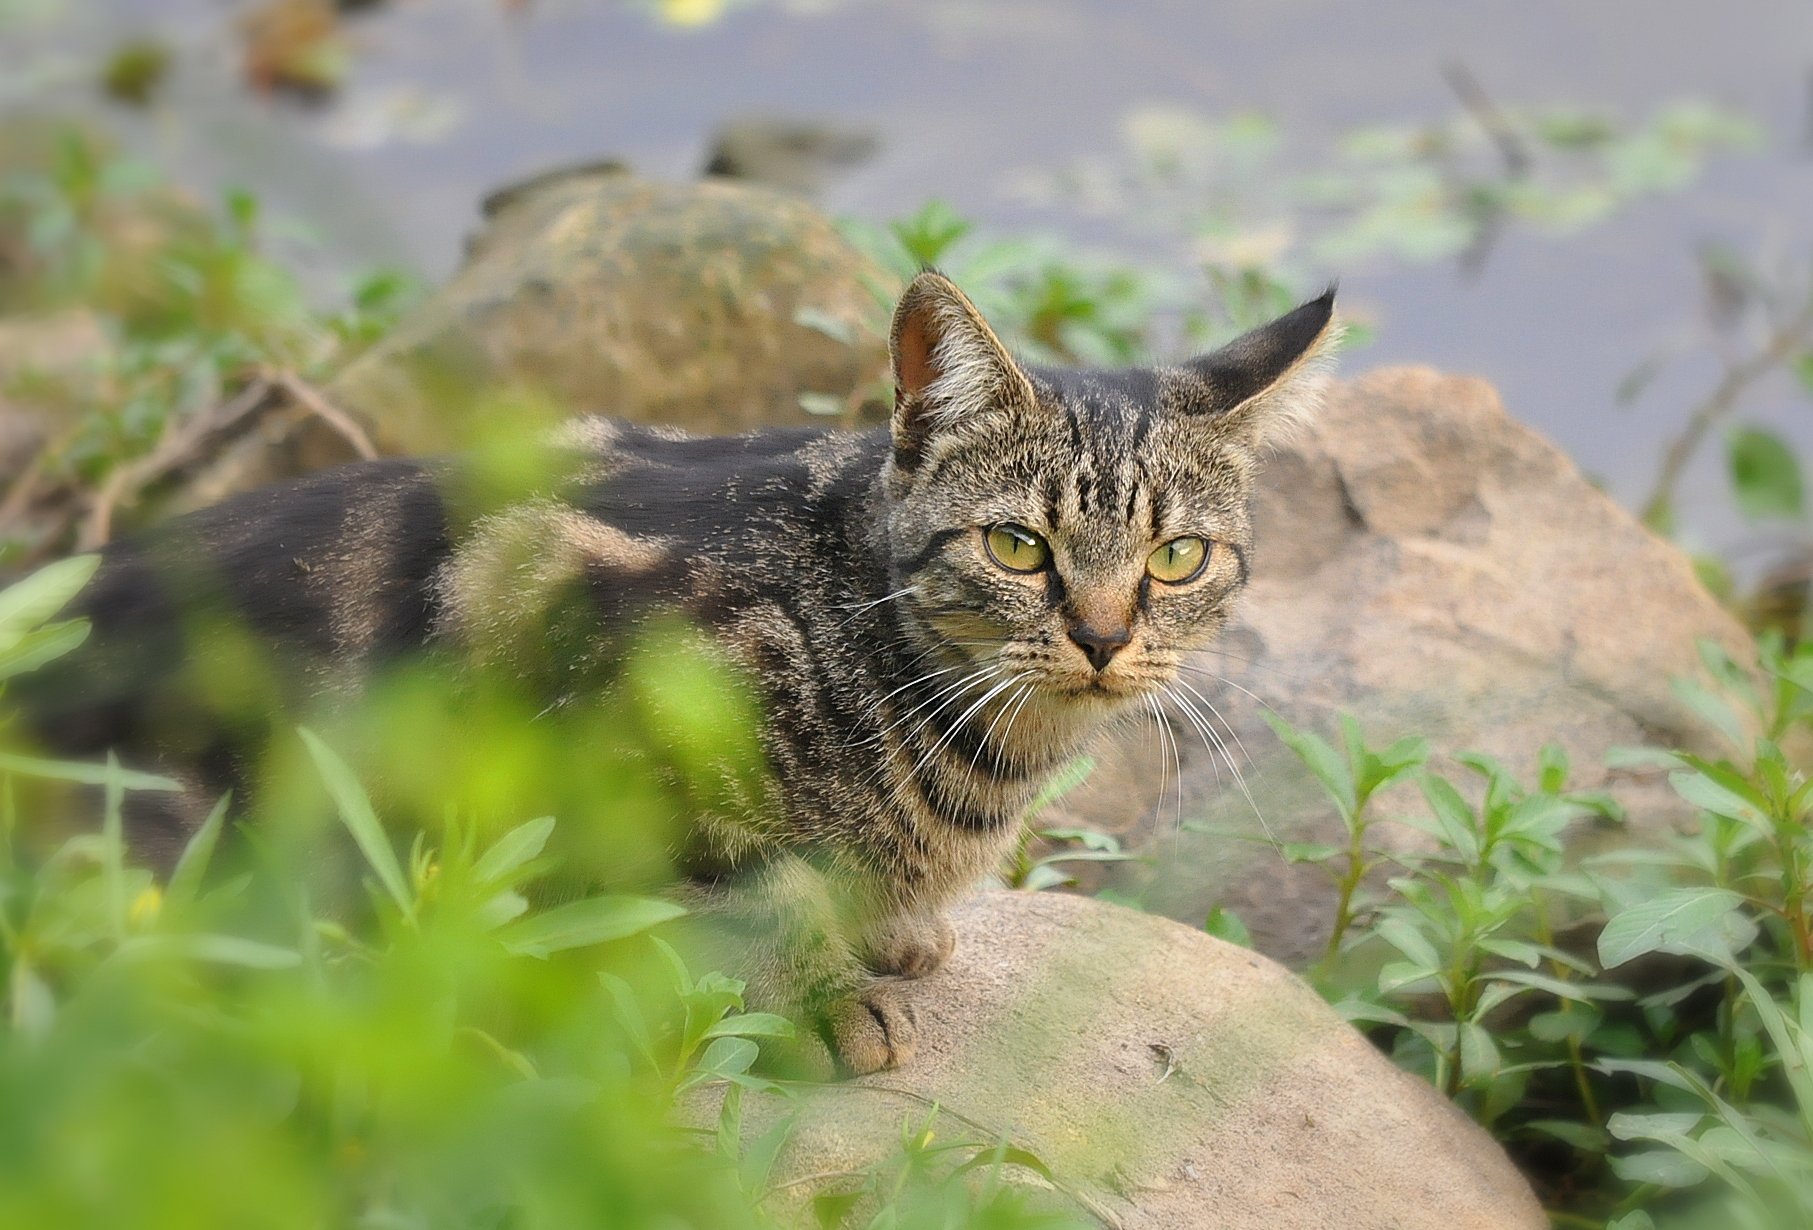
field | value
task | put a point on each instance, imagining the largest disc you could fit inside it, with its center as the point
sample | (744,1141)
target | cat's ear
(1263,382)
(949,366)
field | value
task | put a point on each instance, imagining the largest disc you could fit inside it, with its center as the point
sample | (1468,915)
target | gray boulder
(1430,565)
(1167,1079)
(715,306)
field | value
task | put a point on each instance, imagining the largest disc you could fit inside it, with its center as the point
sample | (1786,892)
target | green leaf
(360,820)
(1513,950)
(1690,921)
(1406,753)
(1328,765)
(185,880)
(1401,975)
(1560,988)
(213,949)
(1307,851)
(1403,935)
(1069,776)
(40,646)
(1721,799)
(1360,1012)
(630,1015)
(1455,816)
(1793,1047)
(1224,924)
(83,774)
(1662,1167)
(752,1025)
(1478,1053)
(501,908)
(580,924)
(1765,476)
(513,849)
(728,1057)
(26,604)
(1582,1136)
(1649,1069)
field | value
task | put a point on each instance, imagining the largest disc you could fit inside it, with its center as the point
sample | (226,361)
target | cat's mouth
(1105,687)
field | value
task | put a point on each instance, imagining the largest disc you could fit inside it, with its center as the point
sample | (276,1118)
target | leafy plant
(189,310)
(1671,1093)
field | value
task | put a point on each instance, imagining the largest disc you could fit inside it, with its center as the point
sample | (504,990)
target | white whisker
(873,602)
(1225,724)
(1216,747)
(957,725)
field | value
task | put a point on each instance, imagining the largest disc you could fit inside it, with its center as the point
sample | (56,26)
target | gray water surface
(968,98)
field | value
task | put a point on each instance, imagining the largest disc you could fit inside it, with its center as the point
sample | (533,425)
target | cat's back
(334,567)
(773,515)
(335,573)
(668,484)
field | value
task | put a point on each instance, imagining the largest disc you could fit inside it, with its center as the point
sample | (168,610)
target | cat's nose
(1100,647)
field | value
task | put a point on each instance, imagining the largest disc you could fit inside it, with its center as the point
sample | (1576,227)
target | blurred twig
(1784,342)
(1489,211)
(50,510)
(1491,117)
(310,399)
(179,446)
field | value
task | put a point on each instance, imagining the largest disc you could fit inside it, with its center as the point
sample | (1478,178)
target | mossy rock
(715,306)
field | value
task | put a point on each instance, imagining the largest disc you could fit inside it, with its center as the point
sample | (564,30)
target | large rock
(1430,565)
(1167,1079)
(715,306)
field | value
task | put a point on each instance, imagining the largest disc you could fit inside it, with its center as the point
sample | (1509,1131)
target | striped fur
(915,694)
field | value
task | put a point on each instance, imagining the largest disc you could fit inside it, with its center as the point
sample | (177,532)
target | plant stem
(1545,935)
(1349,883)
(1781,346)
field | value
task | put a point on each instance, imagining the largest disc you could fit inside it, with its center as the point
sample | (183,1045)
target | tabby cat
(935,615)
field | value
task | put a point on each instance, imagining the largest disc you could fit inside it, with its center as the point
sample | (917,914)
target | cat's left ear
(1261,383)
(949,367)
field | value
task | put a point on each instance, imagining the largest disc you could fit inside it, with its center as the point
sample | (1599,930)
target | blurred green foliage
(181,306)
(223,1046)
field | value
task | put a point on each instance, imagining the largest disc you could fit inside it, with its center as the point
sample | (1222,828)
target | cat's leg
(908,945)
(788,939)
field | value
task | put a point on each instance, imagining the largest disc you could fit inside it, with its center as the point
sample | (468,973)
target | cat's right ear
(949,367)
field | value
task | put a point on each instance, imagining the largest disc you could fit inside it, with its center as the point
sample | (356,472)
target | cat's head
(1082,530)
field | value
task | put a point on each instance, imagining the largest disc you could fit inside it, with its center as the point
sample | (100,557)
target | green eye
(1016,548)
(1178,560)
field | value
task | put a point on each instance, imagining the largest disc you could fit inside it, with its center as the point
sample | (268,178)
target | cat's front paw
(874,1028)
(913,948)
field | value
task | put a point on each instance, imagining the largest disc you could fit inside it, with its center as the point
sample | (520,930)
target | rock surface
(1430,565)
(716,306)
(1168,1079)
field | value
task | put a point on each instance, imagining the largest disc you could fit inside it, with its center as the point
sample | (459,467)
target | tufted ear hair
(948,365)
(1265,381)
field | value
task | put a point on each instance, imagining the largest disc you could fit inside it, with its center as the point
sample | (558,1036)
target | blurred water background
(1025,116)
